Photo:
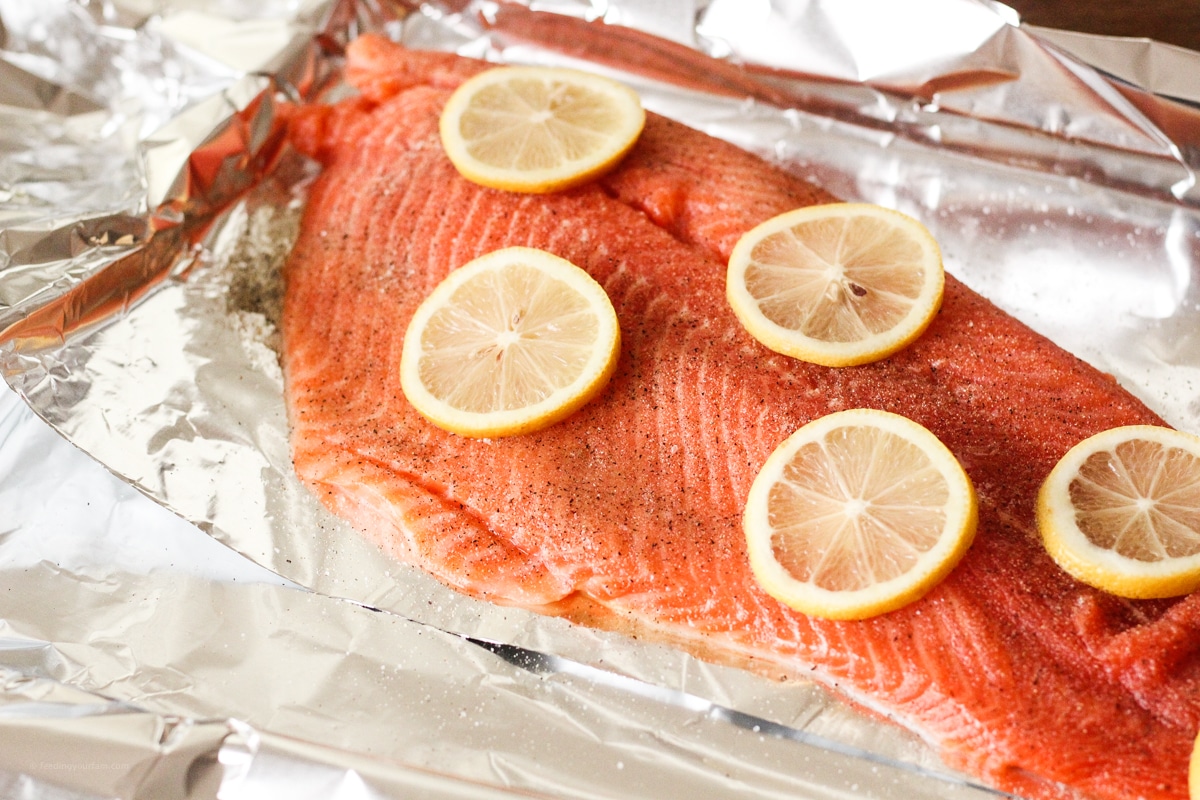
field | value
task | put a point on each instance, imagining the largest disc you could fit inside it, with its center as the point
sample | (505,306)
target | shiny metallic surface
(181,616)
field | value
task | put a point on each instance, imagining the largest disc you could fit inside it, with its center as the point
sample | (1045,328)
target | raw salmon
(627,514)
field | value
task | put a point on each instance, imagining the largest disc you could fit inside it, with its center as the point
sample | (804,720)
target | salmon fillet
(627,515)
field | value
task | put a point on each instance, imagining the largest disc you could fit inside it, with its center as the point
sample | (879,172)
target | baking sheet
(141,176)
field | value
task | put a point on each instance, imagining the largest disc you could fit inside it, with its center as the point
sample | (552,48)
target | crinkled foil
(232,639)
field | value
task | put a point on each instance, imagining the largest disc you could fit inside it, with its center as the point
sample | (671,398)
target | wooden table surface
(1171,21)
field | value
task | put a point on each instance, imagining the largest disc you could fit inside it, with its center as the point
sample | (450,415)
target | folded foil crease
(1011,98)
(63,743)
(139,142)
(998,92)
(187,142)
(59,741)
(162,685)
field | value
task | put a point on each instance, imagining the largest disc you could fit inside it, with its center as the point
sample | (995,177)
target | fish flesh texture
(627,515)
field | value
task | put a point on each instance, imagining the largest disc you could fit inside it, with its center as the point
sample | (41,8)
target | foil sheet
(229,631)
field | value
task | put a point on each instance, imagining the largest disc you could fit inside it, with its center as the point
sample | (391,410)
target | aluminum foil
(230,638)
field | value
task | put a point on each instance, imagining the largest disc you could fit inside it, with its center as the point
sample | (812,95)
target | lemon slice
(539,129)
(837,284)
(1121,511)
(1194,771)
(858,513)
(509,343)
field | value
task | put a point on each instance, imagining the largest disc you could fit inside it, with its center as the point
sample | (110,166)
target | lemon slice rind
(952,542)
(871,346)
(1102,567)
(612,118)
(592,376)
(1194,769)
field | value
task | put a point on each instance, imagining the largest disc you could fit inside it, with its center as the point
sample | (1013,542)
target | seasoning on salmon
(627,514)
